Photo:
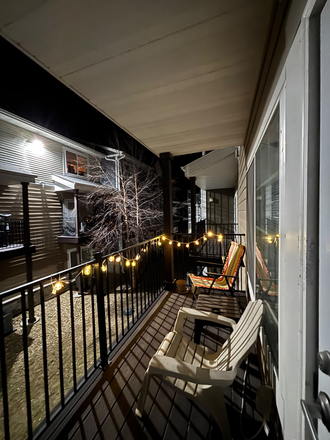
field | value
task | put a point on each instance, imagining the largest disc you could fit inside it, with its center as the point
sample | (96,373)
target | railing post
(101,309)
(166,159)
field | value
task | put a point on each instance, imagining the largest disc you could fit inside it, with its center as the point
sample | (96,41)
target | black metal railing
(220,228)
(85,312)
(11,233)
(203,250)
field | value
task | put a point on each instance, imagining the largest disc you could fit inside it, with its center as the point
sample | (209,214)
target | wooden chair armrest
(203,315)
(166,366)
(207,263)
(221,275)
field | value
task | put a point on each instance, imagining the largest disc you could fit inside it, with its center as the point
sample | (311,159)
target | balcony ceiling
(179,76)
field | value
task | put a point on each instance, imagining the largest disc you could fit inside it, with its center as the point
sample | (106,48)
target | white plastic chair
(196,371)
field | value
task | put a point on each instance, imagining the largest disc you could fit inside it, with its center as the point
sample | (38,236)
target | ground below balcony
(107,410)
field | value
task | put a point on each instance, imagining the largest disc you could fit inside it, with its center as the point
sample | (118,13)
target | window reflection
(71,163)
(76,164)
(267,226)
(82,166)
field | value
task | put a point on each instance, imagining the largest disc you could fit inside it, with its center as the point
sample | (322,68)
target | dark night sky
(27,90)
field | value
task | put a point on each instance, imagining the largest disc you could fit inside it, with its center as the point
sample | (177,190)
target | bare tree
(127,205)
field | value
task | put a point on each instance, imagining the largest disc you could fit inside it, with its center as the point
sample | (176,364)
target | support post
(166,163)
(101,310)
(193,203)
(27,247)
(76,206)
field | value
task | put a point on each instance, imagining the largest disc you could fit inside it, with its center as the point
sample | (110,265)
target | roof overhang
(215,170)
(68,183)
(10,175)
(179,76)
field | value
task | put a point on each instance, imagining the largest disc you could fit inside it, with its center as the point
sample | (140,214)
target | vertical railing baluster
(127,305)
(26,367)
(101,310)
(121,296)
(115,294)
(132,281)
(84,325)
(60,347)
(73,336)
(108,304)
(4,375)
(44,350)
(93,326)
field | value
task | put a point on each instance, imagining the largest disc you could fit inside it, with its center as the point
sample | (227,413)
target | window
(76,164)
(267,228)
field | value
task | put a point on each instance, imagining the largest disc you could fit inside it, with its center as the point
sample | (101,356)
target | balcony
(12,238)
(69,233)
(77,372)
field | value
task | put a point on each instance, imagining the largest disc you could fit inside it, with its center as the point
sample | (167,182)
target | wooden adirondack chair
(194,370)
(226,280)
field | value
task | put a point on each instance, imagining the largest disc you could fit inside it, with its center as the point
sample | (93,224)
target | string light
(220,237)
(170,242)
(58,285)
(210,234)
(133,263)
(159,243)
(87,270)
(197,242)
(204,238)
(104,268)
(128,263)
(179,244)
(137,257)
(163,237)
(111,258)
(187,245)
(118,259)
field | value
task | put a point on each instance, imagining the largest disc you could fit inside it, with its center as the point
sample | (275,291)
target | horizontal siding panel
(45,220)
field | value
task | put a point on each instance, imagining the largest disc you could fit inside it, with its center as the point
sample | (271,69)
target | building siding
(45,216)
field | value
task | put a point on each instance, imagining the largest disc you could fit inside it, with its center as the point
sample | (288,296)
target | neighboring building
(53,170)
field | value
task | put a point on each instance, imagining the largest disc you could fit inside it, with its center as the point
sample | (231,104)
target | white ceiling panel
(180,76)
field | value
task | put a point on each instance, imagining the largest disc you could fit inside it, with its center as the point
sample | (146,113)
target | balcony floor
(107,412)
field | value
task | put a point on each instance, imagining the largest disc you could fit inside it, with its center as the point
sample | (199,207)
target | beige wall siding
(15,149)
(45,215)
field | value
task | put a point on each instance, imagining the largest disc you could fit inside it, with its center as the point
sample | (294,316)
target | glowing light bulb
(187,245)
(210,234)
(163,237)
(179,244)
(144,250)
(128,263)
(170,242)
(133,263)
(104,268)
(204,238)
(87,270)
(220,237)
(111,258)
(137,257)
(197,242)
(159,243)
(118,259)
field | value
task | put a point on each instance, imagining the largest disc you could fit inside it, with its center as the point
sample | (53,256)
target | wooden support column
(193,203)
(28,254)
(166,162)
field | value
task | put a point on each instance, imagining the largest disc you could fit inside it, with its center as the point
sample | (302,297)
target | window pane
(71,163)
(82,166)
(267,226)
